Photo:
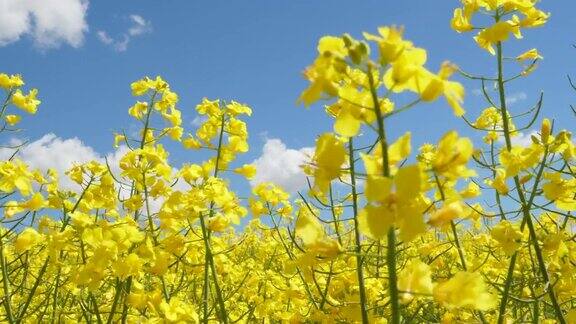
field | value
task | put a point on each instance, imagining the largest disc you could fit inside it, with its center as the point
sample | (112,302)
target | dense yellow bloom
(329,157)
(402,207)
(309,229)
(529,17)
(415,278)
(390,43)
(27,239)
(326,71)
(8,82)
(432,86)
(496,33)
(138,110)
(499,182)
(519,159)
(14,174)
(142,239)
(560,190)
(508,236)
(451,156)
(464,290)
(447,213)
(28,102)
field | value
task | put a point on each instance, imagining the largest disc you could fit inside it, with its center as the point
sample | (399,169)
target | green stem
(115,302)
(391,248)
(527,218)
(33,291)
(358,247)
(209,258)
(6,285)
(5,104)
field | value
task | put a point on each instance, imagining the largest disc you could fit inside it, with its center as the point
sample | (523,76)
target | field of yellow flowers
(387,233)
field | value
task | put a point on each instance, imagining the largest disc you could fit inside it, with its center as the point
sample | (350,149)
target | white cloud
(477,92)
(281,165)
(51,151)
(139,27)
(513,98)
(104,38)
(521,139)
(49,22)
(198,120)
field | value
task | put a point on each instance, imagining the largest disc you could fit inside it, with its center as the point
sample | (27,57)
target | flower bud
(545,130)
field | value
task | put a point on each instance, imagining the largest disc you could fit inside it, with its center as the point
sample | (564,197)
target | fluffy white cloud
(140,26)
(520,139)
(49,22)
(515,97)
(51,151)
(524,139)
(282,165)
(511,98)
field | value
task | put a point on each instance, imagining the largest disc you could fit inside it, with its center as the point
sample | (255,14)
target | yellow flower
(405,72)
(461,20)
(118,138)
(397,152)
(464,290)
(326,71)
(218,223)
(35,203)
(12,119)
(178,311)
(329,157)
(309,229)
(560,190)
(415,278)
(28,102)
(498,32)
(520,158)
(131,265)
(8,82)
(27,239)
(452,155)
(447,213)
(234,108)
(390,43)
(191,143)
(508,236)
(529,55)
(545,130)
(499,182)
(471,191)
(432,86)
(402,207)
(247,170)
(138,110)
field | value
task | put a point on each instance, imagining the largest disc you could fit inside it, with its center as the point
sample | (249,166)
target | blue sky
(254,52)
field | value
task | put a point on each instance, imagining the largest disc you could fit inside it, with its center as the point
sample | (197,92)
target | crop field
(386,229)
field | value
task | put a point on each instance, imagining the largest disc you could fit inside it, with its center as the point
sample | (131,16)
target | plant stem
(6,285)
(527,218)
(358,247)
(391,248)
(209,258)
